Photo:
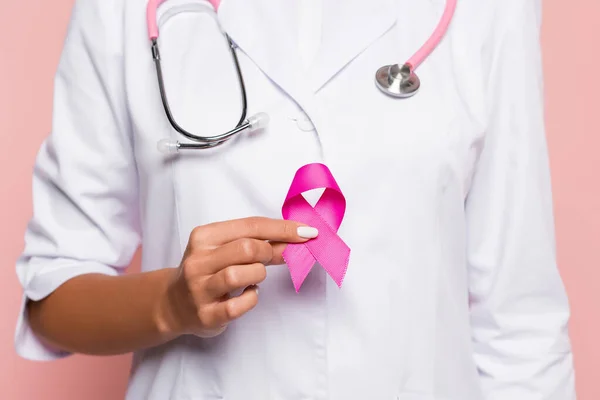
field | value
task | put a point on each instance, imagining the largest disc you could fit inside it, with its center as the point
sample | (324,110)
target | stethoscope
(399,81)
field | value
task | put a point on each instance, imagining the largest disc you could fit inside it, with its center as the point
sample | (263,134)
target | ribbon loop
(328,249)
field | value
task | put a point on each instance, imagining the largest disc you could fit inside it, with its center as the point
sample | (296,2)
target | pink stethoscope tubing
(435,38)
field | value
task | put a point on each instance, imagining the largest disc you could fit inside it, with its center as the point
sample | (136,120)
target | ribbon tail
(336,268)
(333,255)
(299,261)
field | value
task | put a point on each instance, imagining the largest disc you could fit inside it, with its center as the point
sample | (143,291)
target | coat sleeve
(519,309)
(85,204)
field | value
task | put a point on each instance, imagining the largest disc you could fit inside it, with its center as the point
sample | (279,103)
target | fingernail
(256,290)
(307,232)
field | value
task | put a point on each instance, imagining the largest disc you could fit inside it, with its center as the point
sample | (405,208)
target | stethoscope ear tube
(253,123)
(244,124)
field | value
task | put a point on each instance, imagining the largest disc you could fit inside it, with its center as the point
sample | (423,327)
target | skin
(106,315)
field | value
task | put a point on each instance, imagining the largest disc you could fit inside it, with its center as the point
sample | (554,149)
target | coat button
(304,123)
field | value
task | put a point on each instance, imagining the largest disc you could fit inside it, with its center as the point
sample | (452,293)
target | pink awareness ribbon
(328,249)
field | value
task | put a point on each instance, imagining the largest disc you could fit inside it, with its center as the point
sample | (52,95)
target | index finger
(276,230)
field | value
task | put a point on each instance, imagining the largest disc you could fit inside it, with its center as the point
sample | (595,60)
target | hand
(221,258)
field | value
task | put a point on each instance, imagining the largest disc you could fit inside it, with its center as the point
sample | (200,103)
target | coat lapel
(266,31)
(349,27)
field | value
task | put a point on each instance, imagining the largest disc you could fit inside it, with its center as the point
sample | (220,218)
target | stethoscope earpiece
(255,123)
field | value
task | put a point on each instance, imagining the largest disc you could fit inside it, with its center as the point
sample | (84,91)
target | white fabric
(452,292)
(309,30)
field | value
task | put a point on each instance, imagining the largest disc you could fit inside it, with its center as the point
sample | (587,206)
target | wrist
(169,313)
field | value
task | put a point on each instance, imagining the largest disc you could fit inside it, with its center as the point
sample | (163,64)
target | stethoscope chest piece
(397,81)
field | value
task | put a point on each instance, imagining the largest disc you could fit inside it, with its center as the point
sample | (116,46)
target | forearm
(105,315)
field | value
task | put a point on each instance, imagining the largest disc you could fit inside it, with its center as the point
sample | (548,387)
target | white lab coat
(452,291)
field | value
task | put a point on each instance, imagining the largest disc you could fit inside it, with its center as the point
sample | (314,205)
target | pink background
(29,50)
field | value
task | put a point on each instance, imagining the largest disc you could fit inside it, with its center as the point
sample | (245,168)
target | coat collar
(266,31)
